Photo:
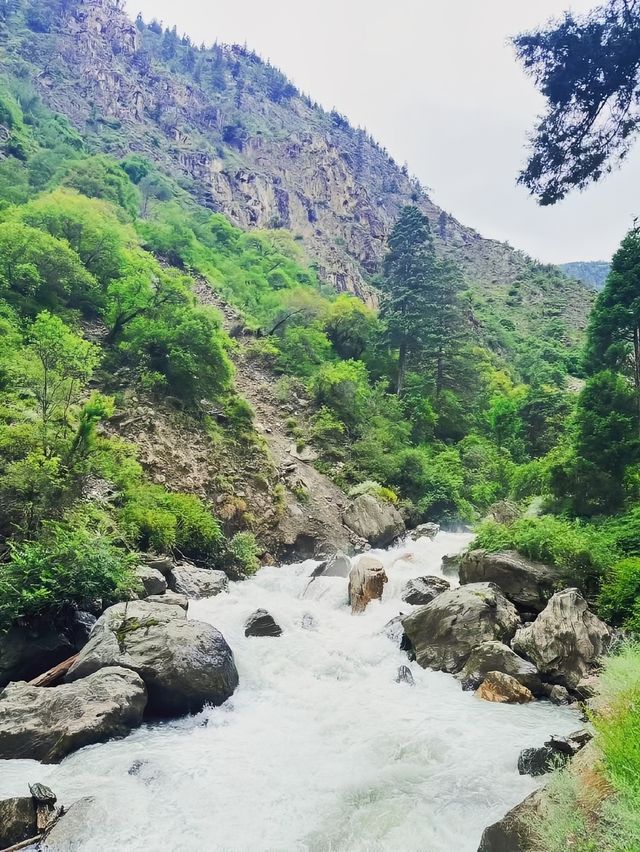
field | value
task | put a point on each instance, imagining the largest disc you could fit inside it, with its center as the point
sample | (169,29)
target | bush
(244,552)
(375,490)
(619,600)
(165,521)
(68,565)
(586,553)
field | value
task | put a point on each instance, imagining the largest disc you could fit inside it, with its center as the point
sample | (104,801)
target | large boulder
(498,657)
(46,724)
(428,530)
(422,590)
(262,623)
(366,582)
(501,688)
(527,584)
(68,832)
(565,639)
(194,582)
(151,581)
(184,664)
(515,832)
(377,522)
(445,632)
(18,820)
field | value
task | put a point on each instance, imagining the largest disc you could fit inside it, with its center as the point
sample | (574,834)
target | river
(319,750)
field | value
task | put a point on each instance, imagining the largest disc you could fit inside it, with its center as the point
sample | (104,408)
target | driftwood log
(54,675)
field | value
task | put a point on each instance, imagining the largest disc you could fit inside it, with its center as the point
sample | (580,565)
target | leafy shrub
(343,387)
(375,490)
(585,552)
(164,521)
(244,551)
(619,600)
(68,565)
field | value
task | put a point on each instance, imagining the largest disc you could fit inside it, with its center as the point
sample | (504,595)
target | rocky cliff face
(245,142)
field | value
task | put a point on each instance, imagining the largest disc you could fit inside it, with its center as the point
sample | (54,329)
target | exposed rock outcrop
(444,633)
(422,590)
(428,530)
(565,640)
(501,688)
(187,579)
(498,657)
(262,623)
(151,580)
(366,582)
(527,584)
(48,724)
(184,664)
(515,832)
(377,522)
(18,820)
(170,598)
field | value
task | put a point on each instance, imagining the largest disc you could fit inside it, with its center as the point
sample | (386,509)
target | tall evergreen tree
(614,326)
(421,302)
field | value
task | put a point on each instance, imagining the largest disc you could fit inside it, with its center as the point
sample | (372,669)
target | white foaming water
(319,750)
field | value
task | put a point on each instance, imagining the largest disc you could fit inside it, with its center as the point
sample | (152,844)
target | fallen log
(23,844)
(54,675)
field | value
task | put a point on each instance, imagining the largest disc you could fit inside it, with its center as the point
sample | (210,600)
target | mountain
(242,140)
(593,273)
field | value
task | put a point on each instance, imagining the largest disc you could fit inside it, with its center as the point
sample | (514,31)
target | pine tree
(614,327)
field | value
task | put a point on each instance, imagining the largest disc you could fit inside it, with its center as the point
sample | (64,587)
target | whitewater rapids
(319,750)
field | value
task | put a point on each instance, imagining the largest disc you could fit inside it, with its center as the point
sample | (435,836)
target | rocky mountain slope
(243,141)
(593,273)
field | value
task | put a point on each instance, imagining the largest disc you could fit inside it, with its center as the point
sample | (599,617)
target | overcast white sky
(438,85)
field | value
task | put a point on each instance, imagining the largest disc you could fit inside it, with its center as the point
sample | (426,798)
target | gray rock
(528,585)
(261,623)
(515,832)
(337,565)
(81,628)
(422,590)
(565,640)
(377,522)
(184,664)
(46,724)
(152,581)
(498,657)
(162,563)
(194,582)
(556,694)
(170,598)
(69,832)
(18,820)
(428,530)
(554,753)
(404,676)
(451,564)
(445,632)
(366,582)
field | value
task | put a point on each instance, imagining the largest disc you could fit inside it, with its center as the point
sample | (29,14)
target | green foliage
(343,388)
(375,490)
(156,519)
(244,551)
(101,177)
(70,564)
(351,327)
(619,601)
(584,552)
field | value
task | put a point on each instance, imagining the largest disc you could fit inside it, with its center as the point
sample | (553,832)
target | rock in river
(194,582)
(46,724)
(422,590)
(377,522)
(501,688)
(565,639)
(528,585)
(366,582)
(444,632)
(498,657)
(261,623)
(184,664)
(18,820)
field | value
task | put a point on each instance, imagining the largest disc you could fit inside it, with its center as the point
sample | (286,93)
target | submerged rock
(261,623)
(422,590)
(501,688)
(366,582)
(404,676)
(498,657)
(47,724)
(445,632)
(184,664)
(187,579)
(377,522)
(18,820)
(528,585)
(565,639)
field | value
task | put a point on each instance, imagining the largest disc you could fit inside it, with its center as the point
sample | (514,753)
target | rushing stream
(319,749)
